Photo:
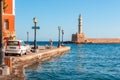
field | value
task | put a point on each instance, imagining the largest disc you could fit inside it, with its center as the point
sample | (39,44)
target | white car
(15,47)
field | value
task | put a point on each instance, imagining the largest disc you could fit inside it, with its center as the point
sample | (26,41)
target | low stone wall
(96,41)
(103,40)
(19,63)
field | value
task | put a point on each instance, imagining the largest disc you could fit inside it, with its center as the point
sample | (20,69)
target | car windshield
(12,43)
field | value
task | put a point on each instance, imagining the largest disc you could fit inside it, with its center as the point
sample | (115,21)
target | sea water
(83,62)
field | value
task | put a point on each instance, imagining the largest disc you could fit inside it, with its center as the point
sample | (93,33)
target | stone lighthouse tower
(79,37)
(80,24)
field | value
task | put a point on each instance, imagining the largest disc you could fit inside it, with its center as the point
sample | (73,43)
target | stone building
(79,37)
(8,19)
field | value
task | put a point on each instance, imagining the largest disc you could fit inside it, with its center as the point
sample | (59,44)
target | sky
(101,18)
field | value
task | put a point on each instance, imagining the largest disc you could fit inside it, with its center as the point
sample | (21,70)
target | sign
(37,27)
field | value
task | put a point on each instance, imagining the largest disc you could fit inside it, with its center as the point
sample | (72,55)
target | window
(6,24)
(12,43)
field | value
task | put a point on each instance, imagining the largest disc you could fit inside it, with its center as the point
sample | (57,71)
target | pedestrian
(51,42)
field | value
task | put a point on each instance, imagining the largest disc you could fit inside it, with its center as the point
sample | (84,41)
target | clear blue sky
(101,18)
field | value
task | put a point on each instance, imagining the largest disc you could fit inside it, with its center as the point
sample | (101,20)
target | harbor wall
(20,62)
(103,40)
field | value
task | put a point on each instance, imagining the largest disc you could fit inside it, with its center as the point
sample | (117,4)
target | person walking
(51,42)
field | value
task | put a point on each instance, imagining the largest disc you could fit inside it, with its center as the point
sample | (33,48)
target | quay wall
(19,63)
(103,40)
(96,41)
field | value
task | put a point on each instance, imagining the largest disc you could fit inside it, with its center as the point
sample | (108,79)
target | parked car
(15,47)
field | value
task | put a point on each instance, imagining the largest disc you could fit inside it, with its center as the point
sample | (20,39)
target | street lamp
(62,36)
(35,20)
(59,28)
(2,63)
(27,37)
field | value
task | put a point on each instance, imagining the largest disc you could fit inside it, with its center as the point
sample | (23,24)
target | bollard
(8,62)
(4,70)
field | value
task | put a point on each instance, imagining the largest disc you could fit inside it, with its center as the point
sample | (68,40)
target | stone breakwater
(42,55)
(96,41)
(103,40)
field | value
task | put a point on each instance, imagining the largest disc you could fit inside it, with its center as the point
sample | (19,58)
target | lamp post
(62,36)
(59,28)
(1,35)
(35,20)
(27,37)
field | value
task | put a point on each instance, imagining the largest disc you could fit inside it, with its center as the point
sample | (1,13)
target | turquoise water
(83,62)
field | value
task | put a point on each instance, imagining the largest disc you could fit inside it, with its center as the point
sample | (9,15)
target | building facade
(8,19)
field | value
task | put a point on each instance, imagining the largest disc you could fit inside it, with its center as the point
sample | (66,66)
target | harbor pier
(18,63)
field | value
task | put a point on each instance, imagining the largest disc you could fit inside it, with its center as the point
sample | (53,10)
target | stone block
(4,70)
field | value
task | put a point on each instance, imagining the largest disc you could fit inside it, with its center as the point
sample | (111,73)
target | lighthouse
(79,37)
